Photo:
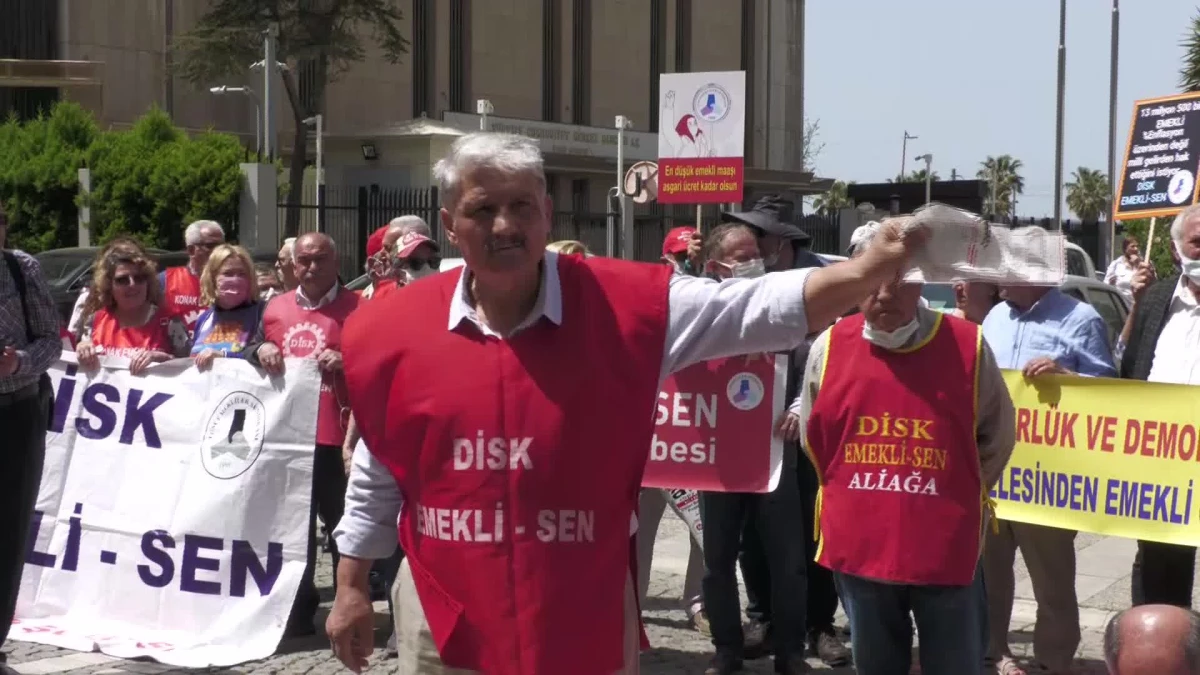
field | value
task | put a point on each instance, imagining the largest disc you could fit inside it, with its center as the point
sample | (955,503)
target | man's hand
(892,246)
(347,457)
(8,361)
(351,626)
(271,358)
(695,246)
(1043,365)
(788,427)
(330,362)
(204,359)
(1142,279)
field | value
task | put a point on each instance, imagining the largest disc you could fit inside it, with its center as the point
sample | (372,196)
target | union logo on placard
(711,103)
(745,391)
(1179,188)
(303,340)
(233,436)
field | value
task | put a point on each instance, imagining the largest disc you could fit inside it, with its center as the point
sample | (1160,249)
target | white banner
(173,513)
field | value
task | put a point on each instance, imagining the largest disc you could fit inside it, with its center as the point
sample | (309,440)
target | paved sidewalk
(1102,584)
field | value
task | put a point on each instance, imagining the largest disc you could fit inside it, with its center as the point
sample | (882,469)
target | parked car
(69,270)
(1112,305)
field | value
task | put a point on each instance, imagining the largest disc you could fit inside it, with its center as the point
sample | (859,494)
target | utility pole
(268,107)
(626,210)
(1058,135)
(928,175)
(484,108)
(318,121)
(904,152)
(1106,248)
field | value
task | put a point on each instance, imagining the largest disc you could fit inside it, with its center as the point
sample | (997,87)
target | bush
(1164,264)
(148,182)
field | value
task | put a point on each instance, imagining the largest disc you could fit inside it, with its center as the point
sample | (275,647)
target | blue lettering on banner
(1078,492)
(99,407)
(196,568)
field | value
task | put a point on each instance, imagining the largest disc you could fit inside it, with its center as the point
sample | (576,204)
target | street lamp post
(904,152)
(258,135)
(318,121)
(1106,252)
(623,123)
(928,174)
(483,108)
(1058,122)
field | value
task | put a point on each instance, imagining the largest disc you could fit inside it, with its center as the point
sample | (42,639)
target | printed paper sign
(173,512)
(714,426)
(701,138)
(1158,175)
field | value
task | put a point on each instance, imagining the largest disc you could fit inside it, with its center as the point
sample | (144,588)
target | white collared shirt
(706,320)
(1176,357)
(304,303)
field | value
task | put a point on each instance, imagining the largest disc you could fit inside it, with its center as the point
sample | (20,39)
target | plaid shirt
(33,358)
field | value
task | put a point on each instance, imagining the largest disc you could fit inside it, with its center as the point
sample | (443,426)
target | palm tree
(1002,174)
(1189,74)
(834,200)
(917,176)
(1087,194)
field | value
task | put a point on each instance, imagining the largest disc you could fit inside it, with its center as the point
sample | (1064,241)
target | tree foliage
(1003,176)
(1189,73)
(148,182)
(319,39)
(1087,194)
(833,201)
(915,176)
(39,176)
(1161,257)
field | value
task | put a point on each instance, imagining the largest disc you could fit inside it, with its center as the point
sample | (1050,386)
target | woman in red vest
(131,321)
(518,462)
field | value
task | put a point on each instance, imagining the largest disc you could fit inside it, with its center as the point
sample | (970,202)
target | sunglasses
(434,263)
(129,279)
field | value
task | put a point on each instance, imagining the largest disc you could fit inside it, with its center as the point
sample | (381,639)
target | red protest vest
(117,340)
(892,434)
(304,334)
(520,461)
(182,296)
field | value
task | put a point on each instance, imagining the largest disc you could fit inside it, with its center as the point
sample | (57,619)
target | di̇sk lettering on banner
(1113,457)
(172,517)
(714,426)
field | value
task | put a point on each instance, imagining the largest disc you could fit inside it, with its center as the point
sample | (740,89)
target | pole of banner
(699,217)
(1150,238)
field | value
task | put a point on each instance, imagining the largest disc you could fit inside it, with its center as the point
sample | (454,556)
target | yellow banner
(1114,457)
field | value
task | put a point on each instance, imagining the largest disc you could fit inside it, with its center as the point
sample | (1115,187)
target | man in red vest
(181,285)
(909,423)
(513,422)
(306,323)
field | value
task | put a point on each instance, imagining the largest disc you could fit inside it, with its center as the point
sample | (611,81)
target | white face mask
(425,271)
(890,339)
(1188,267)
(751,269)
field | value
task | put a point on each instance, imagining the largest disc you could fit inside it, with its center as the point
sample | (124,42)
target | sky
(972,78)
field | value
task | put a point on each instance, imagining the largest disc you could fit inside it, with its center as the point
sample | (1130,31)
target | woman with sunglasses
(130,319)
(416,257)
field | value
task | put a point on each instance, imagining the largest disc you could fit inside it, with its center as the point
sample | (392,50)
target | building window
(28,30)
(579,195)
(424,57)
(581,62)
(683,36)
(658,55)
(460,53)
(551,62)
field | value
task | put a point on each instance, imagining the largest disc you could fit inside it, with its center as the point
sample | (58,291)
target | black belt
(22,394)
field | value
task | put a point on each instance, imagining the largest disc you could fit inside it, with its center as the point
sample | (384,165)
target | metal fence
(352,213)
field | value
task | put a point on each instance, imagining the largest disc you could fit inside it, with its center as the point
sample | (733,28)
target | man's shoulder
(28,263)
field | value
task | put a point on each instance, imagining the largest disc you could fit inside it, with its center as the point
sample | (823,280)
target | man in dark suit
(1162,348)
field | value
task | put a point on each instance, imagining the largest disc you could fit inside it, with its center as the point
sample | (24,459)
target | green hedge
(148,182)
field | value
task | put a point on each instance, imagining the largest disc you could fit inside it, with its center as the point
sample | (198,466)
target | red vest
(124,341)
(182,296)
(892,435)
(304,334)
(520,461)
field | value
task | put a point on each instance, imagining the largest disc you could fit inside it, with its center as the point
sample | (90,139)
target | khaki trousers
(652,503)
(1049,554)
(418,654)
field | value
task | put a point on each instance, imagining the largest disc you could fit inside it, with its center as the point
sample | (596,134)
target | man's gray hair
(319,236)
(509,153)
(407,224)
(1180,223)
(195,231)
(1112,637)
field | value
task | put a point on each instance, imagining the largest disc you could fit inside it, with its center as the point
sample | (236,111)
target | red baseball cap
(409,243)
(677,240)
(375,241)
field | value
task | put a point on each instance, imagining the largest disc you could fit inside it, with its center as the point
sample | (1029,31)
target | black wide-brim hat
(771,215)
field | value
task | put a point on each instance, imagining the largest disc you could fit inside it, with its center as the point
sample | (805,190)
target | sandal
(1007,666)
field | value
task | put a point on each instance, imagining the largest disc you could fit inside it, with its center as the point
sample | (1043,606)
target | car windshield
(939,296)
(60,267)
